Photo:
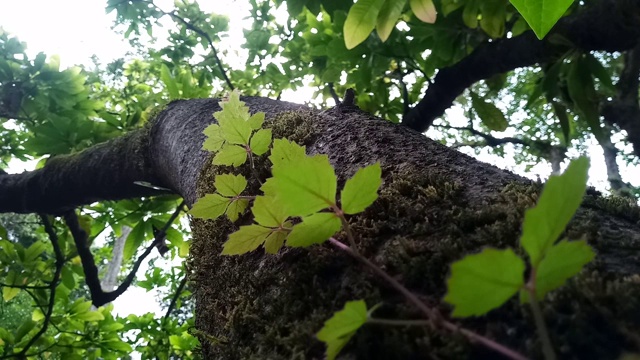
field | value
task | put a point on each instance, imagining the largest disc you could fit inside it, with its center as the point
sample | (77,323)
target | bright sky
(77,29)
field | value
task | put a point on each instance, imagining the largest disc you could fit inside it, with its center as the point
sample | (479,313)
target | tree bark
(435,206)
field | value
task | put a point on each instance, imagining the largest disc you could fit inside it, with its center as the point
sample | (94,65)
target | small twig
(435,319)
(547,346)
(174,299)
(333,93)
(393,322)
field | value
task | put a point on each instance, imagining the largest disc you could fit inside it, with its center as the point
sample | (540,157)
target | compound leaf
(361,190)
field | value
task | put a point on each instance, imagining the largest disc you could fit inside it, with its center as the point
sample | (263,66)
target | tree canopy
(529,88)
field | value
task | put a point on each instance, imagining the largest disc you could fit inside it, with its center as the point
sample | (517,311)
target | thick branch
(107,171)
(605,25)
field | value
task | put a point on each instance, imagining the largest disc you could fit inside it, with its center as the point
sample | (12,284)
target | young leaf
(285,151)
(215,138)
(267,212)
(361,190)
(274,241)
(230,185)
(236,207)
(260,141)
(210,206)
(484,281)
(541,15)
(246,239)
(561,262)
(235,130)
(490,115)
(424,10)
(230,155)
(388,17)
(314,229)
(135,238)
(256,120)
(338,330)
(559,200)
(307,186)
(361,20)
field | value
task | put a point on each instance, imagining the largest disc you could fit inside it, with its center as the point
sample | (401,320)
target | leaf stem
(347,228)
(547,346)
(393,322)
(435,319)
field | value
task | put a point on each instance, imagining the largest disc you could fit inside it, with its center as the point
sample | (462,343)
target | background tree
(475,54)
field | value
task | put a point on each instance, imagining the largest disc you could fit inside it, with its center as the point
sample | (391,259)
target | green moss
(269,307)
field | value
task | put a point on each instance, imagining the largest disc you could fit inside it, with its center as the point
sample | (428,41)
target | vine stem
(435,319)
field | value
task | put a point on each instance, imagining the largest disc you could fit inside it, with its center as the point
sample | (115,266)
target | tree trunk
(435,206)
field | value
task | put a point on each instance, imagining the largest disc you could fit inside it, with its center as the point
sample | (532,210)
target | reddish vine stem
(434,317)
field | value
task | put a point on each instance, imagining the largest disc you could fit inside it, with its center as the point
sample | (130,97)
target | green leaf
(9,293)
(583,93)
(559,200)
(314,229)
(285,151)
(361,20)
(246,239)
(3,233)
(361,190)
(484,281)
(236,207)
(490,115)
(169,82)
(260,141)
(541,15)
(211,206)
(233,120)
(307,186)
(424,10)
(267,212)
(215,138)
(33,251)
(256,120)
(230,185)
(89,316)
(67,278)
(230,155)
(388,17)
(275,241)
(339,329)
(135,238)
(561,262)
(26,326)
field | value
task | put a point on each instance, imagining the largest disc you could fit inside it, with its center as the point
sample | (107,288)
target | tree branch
(604,25)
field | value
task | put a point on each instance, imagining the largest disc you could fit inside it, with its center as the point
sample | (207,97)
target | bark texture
(435,206)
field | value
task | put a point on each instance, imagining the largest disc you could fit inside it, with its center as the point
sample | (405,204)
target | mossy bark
(435,206)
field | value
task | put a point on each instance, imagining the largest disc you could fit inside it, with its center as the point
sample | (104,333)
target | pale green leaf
(9,293)
(246,239)
(230,155)
(490,115)
(307,186)
(267,212)
(541,15)
(388,17)
(230,185)
(561,262)
(361,190)
(361,20)
(260,141)
(89,316)
(33,251)
(274,241)
(339,329)
(484,281)
(233,120)
(236,207)
(135,238)
(314,229)
(215,138)
(169,82)
(37,315)
(285,151)
(256,120)
(559,200)
(424,10)
(211,206)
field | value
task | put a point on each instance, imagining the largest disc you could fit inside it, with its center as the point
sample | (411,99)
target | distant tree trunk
(110,280)
(435,206)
